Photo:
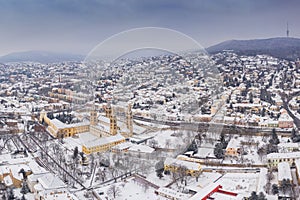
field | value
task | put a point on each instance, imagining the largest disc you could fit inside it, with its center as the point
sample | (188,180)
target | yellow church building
(105,128)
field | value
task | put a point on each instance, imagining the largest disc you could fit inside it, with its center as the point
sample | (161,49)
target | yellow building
(233,148)
(68,95)
(102,144)
(61,130)
(275,158)
(105,130)
(174,165)
(10,175)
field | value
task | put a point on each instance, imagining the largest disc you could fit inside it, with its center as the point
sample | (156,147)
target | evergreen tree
(23,173)
(285,186)
(159,169)
(75,153)
(275,189)
(250,97)
(11,194)
(222,138)
(25,188)
(253,196)
(261,196)
(274,138)
(218,151)
(193,147)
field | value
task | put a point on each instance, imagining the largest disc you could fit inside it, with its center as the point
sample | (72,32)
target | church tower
(108,111)
(113,124)
(129,120)
(93,117)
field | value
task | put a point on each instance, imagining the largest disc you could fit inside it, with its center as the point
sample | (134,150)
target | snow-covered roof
(103,119)
(122,146)
(50,182)
(141,148)
(61,125)
(288,145)
(187,164)
(283,155)
(103,141)
(102,127)
(233,143)
(87,136)
(284,171)
(172,193)
(58,123)
(15,169)
(4,170)
(8,159)
(285,117)
(35,168)
(138,129)
(297,164)
(202,193)
(7,181)
(262,181)
(35,177)
(249,105)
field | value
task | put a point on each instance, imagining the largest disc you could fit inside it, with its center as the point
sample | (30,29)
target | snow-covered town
(160,127)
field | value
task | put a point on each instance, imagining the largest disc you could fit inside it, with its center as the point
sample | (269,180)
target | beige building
(233,148)
(174,165)
(285,121)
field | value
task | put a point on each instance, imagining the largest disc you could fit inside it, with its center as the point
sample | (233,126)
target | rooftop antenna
(287,29)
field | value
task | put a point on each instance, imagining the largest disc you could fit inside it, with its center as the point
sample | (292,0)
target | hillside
(287,48)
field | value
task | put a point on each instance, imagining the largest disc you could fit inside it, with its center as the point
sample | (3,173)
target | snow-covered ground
(242,183)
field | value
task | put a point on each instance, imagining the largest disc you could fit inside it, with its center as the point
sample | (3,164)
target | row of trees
(271,147)
(260,196)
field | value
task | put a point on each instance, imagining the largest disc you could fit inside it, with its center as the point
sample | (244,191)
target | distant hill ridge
(40,56)
(282,47)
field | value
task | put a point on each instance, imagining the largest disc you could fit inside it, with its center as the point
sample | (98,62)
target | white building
(50,186)
(284,172)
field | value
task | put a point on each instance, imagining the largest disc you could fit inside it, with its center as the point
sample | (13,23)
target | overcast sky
(76,26)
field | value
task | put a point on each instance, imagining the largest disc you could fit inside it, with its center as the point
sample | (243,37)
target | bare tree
(268,187)
(114,173)
(197,174)
(113,191)
(261,152)
(182,173)
(175,178)
(270,176)
(101,174)
(168,143)
(92,158)
(286,186)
